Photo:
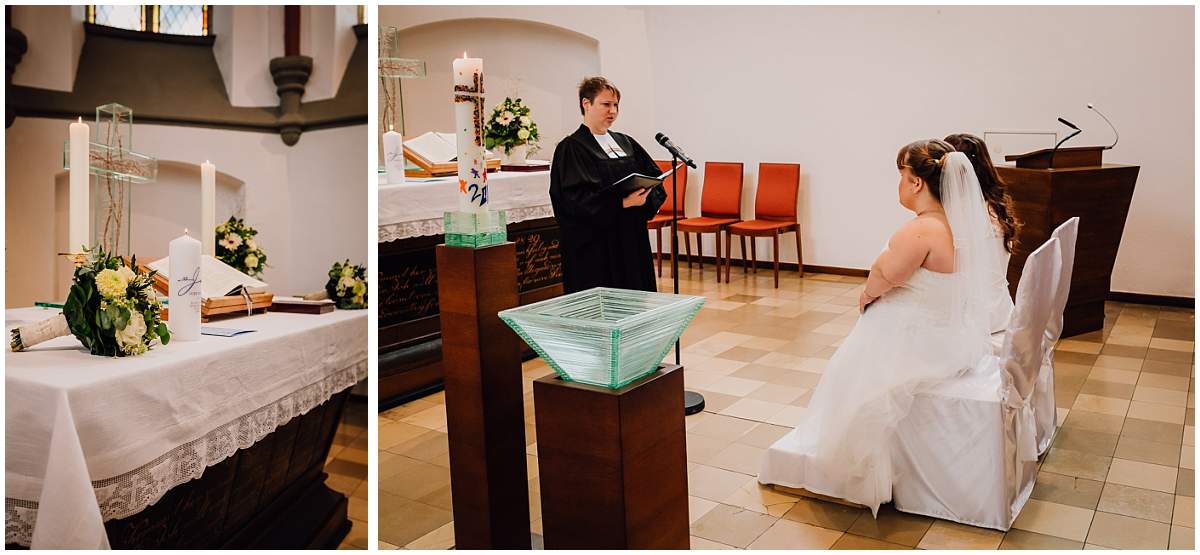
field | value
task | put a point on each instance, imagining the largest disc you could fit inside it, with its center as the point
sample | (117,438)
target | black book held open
(637,181)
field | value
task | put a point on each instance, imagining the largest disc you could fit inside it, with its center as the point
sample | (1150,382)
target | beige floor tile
(402,521)
(1169,368)
(798,378)
(824,514)
(1096,443)
(1105,405)
(786,534)
(1141,450)
(1054,519)
(698,507)
(759,372)
(1183,538)
(1187,459)
(699,543)
(1150,430)
(1163,381)
(753,409)
(1137,502)
(702,448)
(1129,340)
(1067,490)
(714,483)
(761,499)
(732,525)
(1156,412)
(764,343)
(1079,346)
(1185,511)
(1185,482)
(1123,532)
(709,364)
(1094,421)
(738,457)
(410,478)
(393,433)
(764,435)
(1189,435)
(441,538)
(1107,389)
(1076,463)
(737,387)
(1142,475)
(432,418)
(723,428)
(1118,363)
(1173,345)
(892,526)
(407,409)
(855,542)
(700,379)
(1159,395)
(790,417)
(1021,539)
(952,535)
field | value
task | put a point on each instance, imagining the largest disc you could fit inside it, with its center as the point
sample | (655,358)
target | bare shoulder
(922,230)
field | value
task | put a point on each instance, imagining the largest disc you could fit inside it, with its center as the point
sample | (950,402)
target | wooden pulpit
(1049,187)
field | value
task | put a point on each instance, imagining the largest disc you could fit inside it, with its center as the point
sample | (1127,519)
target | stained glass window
(168,20)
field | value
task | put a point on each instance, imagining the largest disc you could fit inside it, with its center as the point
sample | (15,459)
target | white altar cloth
(90,439)
(416,208)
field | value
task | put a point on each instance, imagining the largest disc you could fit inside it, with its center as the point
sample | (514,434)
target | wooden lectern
(1049,187)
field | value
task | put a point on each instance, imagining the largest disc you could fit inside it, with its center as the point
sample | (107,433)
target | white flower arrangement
(510,125)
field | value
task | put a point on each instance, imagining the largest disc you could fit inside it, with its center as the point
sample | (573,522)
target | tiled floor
(1119,475)
(347,469)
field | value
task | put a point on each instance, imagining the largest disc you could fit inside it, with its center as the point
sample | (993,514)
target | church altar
(410,227)
(415,208)
(90,440)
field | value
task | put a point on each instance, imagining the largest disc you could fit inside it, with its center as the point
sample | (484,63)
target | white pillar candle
(184,289)
(393,156)
(208,206)
(79,213)
(468,130)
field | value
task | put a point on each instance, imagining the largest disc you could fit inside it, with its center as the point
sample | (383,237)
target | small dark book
(636,181)
(292,304)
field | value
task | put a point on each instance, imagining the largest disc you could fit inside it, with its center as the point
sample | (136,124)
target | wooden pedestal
(485,414)
(613,463)
(1044,199)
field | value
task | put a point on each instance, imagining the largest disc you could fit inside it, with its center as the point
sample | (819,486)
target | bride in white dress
(925,318)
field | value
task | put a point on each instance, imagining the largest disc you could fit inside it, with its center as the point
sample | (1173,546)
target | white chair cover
(1043,392)
(967,451)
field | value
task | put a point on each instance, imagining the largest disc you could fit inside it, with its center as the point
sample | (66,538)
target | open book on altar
(217,279)
(436,154)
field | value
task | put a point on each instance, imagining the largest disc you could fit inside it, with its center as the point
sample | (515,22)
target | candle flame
(464,54)
(390,127)
(80,119)
(185,231)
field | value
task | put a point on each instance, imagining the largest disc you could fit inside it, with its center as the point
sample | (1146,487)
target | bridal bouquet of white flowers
(236,247)
(111,309)
(347,285)
(511,126)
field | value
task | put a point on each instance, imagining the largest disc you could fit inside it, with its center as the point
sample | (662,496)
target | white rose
(347,271)
(250,244)
(523,134)
(526,121)
(126,273)
(111,284)
(251,261)
(346,282)
(132,333)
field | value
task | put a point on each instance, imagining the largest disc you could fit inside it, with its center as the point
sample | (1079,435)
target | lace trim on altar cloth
(434,226)
(133,491)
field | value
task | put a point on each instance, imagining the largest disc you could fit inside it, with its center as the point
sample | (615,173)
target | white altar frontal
(90,439)
(416,207)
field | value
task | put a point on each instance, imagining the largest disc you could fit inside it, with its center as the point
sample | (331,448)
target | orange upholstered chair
(663,217)
(774,214)
(720,207)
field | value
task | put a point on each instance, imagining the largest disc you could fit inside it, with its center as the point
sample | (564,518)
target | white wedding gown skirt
(906,340)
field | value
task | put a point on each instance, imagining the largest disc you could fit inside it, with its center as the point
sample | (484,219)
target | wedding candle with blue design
(468,130)
(393,156)
(183,315)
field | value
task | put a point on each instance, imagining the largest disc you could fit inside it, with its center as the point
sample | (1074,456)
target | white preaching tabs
(184,290)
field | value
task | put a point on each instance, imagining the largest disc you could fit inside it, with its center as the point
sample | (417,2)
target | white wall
(55,37)
(248,37)
(546,83)
(307,202)
(327,35)
(840,89)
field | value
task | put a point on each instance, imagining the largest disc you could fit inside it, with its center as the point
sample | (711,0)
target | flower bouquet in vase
(236,247)
(512,130)
(111,309)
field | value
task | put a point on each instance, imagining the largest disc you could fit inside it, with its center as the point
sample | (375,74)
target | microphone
(670,146)
(1065,139)
(1116,136)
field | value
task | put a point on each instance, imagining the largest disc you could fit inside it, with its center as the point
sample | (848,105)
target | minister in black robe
(603,243)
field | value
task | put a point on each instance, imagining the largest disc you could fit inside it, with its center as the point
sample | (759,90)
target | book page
(434,146)
(217,279)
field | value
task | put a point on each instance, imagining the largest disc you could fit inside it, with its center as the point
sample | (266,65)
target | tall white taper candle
(208,206)
(79,213)
(468,130)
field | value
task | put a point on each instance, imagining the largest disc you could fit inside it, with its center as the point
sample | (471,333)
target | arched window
(168,20)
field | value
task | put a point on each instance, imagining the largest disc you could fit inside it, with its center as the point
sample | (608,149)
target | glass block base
(475,229)
(604,337)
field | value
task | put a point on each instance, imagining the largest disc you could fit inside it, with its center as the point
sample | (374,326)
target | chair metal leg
(687,241)
(754,254)
(745,268)
(660,251)
(775,242)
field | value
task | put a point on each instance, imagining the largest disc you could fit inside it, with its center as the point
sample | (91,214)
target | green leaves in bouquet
(84,317)
(236,247)
(96,321)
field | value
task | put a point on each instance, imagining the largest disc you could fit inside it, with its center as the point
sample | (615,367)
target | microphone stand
(1065,139)
(692,402)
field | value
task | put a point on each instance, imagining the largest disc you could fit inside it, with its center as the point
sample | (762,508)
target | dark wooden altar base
(1044,199)
(270,496)
(410,345)
(613,463)
(485,412)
